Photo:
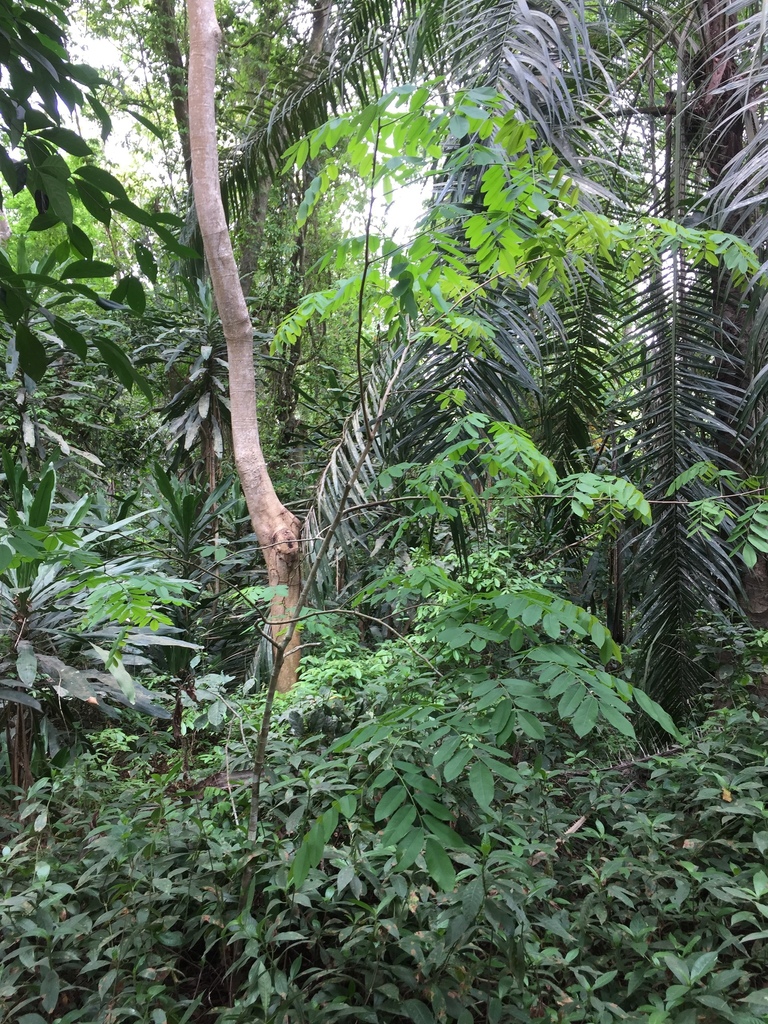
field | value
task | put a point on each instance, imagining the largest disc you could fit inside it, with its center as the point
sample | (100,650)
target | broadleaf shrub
(395,878)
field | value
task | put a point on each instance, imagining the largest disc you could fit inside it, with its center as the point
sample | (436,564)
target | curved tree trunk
(276,528)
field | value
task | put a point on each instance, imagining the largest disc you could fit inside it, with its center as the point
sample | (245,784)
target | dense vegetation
(522,773)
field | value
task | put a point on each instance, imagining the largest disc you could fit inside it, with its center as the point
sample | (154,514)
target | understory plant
(594,886)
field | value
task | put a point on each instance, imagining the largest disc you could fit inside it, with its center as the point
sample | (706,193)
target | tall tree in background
(276,528)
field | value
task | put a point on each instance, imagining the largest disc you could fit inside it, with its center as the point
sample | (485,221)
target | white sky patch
(135,153)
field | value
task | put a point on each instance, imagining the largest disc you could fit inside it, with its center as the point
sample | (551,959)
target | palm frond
(684,413)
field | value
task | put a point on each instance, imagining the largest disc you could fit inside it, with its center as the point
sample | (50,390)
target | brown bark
(319,25)
(718,106)
(177,78)
(276,528)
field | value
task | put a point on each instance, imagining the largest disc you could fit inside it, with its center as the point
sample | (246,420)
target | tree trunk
(276,528)
(177,78)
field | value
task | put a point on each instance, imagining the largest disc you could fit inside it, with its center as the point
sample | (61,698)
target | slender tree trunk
(177,78)
(276,528)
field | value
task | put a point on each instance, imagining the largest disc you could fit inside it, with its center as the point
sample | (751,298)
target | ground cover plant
(577,886)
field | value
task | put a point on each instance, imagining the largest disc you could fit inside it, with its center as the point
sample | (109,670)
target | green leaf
(409,848)
(49,990)
(398,825)
(102,180)
(300,866)
(679,968)
(41,505)
(80,241)
(758,998)
(149,125)
(655,711)
(482,785)
(123,679)
(615,718)
(458,126)
(95,202)
(146,261)
(129,290)
(122,367)
(585,717)
(67,140)
(530,725)
(347,804)
(88,268)
(71,337)
(6,557)
(703,965)
(26,663)
(457,764)
(439,865)
(417,1012)
(389,802)
(33,358)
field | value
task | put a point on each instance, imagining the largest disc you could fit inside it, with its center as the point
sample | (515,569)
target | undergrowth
(391,882)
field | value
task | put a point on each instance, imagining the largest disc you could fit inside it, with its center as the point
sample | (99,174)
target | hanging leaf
(439,865)
(389,803)
(482,785)
(655,711)
(26,663)
(32,355)
(123,368)
(585,717)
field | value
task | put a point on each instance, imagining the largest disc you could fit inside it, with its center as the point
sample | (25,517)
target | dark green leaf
(124,370)
(389,802)
(88,268)
(102,180)
(439,865)
(482,785)
(33,358)
(417,1012)
(67,140)
(146,261)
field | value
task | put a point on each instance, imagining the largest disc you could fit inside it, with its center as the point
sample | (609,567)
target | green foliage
(405,873)
(65,606)
(525,224)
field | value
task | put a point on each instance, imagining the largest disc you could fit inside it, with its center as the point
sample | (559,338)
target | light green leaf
(26,663)
(655,711)
(586,716)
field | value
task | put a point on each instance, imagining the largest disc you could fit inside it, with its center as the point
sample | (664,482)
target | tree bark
(276,528)
(177,78)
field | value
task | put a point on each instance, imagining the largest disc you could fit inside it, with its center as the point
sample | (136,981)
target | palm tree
(652,111)
(655,112)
